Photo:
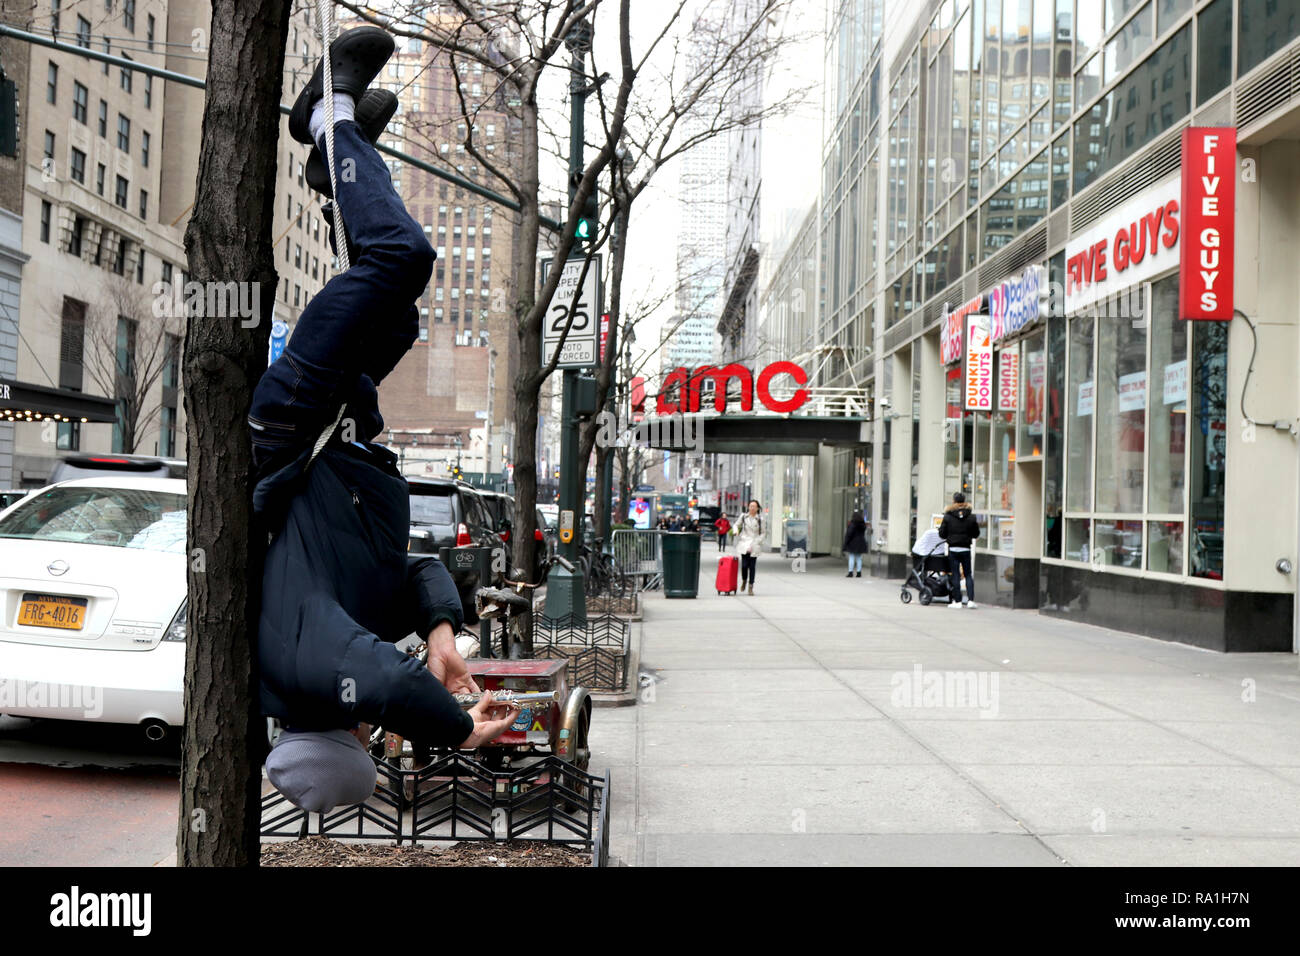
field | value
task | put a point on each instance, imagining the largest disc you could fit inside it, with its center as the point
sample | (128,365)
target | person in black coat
(855,543)
(339,586)
(960,529)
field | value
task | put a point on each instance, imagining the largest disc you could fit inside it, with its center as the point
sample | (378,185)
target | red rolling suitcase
(728,573)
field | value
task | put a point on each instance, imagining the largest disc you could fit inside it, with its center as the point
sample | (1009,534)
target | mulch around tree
(322,851)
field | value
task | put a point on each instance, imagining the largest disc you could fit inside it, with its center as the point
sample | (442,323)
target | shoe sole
(374,111)
(356,57)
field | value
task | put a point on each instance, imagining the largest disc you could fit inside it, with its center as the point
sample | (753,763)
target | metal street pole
(565,593)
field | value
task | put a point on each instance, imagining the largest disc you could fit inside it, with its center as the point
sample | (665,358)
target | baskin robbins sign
(1016,303)
(951,327)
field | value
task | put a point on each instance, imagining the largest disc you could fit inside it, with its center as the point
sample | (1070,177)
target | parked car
(143,466)
(92,576)
(450,514)
(501,508)
(12,496)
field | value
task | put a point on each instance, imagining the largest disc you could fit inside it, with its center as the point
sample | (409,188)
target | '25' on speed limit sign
(575,305)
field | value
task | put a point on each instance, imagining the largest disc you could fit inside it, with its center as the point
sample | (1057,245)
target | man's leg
(364,319)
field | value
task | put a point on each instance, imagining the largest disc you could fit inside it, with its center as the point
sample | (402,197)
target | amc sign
(681,388)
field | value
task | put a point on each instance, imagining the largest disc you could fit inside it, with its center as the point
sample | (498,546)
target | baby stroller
(929,574)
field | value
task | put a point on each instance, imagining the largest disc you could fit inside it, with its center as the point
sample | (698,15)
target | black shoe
(849,575)
(356,58)
(374,111)
(859,574)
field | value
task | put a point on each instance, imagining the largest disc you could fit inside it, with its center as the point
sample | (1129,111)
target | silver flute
(511,697)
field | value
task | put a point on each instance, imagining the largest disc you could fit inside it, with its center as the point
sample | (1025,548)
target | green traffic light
(584,229)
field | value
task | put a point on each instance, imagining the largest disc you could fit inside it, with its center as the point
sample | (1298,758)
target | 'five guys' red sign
(1209,193)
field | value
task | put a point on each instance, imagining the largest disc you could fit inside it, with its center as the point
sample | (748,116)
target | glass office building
(1129,467)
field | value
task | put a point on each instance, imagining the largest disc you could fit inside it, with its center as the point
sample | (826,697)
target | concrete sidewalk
(822,722)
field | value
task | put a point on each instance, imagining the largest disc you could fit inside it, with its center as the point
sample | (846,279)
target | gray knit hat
(320,770)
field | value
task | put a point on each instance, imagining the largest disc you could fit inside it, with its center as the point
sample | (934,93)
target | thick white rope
(326,15)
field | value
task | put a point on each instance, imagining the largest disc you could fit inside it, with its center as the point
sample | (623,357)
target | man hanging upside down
(339,586)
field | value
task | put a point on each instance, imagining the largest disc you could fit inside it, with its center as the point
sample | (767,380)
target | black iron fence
(456,798)
(598,649)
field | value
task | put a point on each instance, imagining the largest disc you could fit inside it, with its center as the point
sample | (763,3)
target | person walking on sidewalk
(723,526)
(855,543)
(749,540)
(960,529)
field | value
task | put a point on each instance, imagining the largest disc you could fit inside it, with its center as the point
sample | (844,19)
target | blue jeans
(351,335)
(855,561)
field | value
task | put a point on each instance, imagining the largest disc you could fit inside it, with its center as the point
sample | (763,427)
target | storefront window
(1033,378)
(1118,543)
(1168,424)
(1002,454)
(1081,403)
(1209,444)
(1121,416)
(1054,438)
(980,500)
(952,434)
(1165,546)
(1076,539)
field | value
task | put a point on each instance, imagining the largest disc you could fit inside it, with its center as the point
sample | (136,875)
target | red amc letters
(1209,214)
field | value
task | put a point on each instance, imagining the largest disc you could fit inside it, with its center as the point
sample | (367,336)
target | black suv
(449,514)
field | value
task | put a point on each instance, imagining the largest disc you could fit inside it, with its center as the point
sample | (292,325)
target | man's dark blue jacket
(339,588)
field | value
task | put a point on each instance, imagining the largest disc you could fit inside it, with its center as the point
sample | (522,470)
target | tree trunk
(529,335)
(228,239)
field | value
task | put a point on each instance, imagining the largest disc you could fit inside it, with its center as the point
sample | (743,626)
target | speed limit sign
(575,306)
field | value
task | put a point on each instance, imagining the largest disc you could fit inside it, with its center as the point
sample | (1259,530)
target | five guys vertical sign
(1209,213)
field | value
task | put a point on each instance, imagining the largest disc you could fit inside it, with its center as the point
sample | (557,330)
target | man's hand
(491,720)
(445,662)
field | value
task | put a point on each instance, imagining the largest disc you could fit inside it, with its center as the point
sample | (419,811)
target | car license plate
(53,610)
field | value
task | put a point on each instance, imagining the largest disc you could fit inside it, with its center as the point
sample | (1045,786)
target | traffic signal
(589,221)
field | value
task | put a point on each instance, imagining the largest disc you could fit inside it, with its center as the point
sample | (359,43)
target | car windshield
(113,517)
(431,509)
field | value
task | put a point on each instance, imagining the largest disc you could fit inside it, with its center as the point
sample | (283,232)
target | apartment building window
(299,174)
(167,273)
(83,32)
(297,256)
(72,342)
(128,15)
(80,99)
(144,149)
(298,218)
(148,30)
(74,240)
(126,77)
(123,133)
(78,166)
(47,212)
(144,204)
(49,146)
(148,92)
(119,258)
(100,172)
(297,294)
(103,119)
(126,333)
(54,16)
(52,83)
(108,48)
(120,194)
(139,268)
(315,265)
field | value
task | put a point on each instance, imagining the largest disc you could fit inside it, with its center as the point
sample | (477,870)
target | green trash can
(681,553)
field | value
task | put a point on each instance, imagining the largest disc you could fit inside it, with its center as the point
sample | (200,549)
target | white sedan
(92,602)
